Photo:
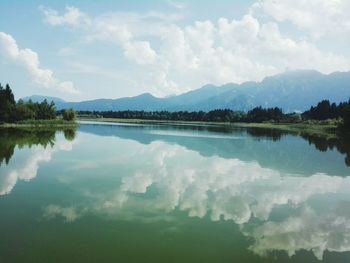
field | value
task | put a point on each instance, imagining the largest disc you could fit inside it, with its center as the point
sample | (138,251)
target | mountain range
(292,91)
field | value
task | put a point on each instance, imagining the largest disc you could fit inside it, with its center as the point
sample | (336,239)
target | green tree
(69,114)
(7,104)
(45,111)
(346,118)
(24,111)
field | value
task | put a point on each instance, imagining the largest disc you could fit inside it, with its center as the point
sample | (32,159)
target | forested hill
(291,91)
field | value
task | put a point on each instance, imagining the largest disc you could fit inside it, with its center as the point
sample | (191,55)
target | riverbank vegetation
(30,113)
(324,115)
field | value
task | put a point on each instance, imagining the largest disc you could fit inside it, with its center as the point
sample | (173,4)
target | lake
(173,193)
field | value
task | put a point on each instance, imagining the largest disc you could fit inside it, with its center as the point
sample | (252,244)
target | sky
(79,50)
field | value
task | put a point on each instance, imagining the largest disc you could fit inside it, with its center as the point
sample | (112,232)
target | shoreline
(309,128)
(41,124)
(299,128)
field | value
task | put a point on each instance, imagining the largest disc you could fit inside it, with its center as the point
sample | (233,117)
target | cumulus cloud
(29,60)
(173,58)
(73,17)
(140,52)
(318,17)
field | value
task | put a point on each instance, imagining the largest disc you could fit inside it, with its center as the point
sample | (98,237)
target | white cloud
(140,52)
(169,58)
(318,17)
(236,51)
(176,4)
(236,32)
(73,16)
(29,60)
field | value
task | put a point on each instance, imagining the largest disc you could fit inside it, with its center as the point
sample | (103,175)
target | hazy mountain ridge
(291,91)
(39,98)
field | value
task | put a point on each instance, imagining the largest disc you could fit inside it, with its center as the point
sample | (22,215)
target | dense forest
(12,111)
(257,114)
(325,110)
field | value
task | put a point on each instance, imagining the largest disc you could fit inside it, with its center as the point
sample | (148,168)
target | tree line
(322,111)
(325,110)
(12,111)
(257,114)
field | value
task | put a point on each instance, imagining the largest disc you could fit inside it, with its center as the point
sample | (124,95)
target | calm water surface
(173,193)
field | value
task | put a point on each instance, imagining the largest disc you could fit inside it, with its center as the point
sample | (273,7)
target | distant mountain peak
(145,95)
(292,90)
(40,98)
(292,73)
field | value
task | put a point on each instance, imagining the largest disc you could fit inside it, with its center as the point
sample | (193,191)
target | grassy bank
(41,123)
(144,121)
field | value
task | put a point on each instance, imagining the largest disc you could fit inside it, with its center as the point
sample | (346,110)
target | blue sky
(108,49)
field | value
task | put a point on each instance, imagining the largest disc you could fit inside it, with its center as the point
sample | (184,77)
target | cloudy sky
(87,49)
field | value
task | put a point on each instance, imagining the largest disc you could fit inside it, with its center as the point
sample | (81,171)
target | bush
(69,115)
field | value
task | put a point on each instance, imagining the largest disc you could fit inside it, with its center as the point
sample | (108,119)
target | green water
(173,193)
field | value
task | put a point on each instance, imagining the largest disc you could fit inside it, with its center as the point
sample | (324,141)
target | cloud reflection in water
(229,189)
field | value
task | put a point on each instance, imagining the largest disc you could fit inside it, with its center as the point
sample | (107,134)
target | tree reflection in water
(12,137)
(339,142)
